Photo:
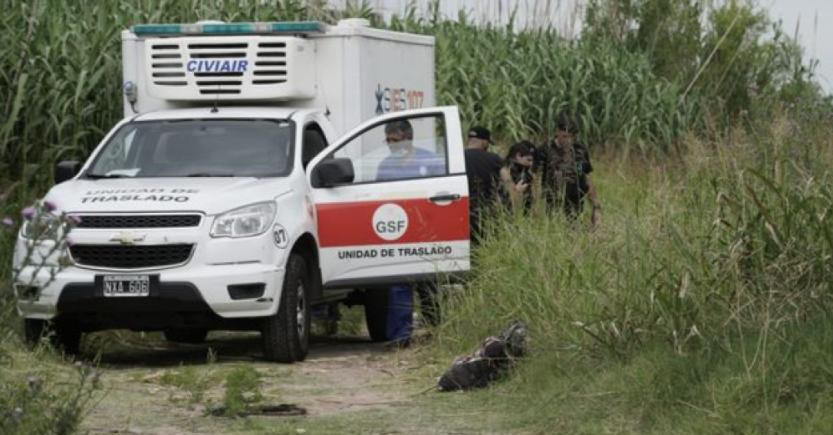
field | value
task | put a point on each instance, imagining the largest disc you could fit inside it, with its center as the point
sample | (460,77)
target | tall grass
(711,267)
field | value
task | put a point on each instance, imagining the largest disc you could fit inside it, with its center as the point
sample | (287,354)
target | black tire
(33,331)
(286,334)
(190,336)
(376,313)
(66,337)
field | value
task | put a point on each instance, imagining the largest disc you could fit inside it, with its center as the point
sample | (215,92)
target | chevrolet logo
(127,237)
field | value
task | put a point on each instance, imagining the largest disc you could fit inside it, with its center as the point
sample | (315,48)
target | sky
(810,20)
(813,20)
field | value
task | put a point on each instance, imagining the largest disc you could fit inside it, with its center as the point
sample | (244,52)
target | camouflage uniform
(564,176)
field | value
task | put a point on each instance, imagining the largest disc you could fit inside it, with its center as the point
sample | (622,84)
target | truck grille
(139,221)
(130,257)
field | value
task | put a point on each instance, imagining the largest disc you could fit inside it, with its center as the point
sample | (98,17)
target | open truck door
(390,200)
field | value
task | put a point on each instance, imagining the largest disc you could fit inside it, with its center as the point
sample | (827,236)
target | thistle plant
(46,242)
(40,401)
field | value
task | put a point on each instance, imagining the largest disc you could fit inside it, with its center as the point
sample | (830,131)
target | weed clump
(194,382)
(242,390)
(45,403)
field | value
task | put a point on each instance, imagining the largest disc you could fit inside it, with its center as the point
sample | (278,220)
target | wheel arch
(306,247)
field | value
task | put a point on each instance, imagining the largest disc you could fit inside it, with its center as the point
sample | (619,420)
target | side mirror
(66,170)
(332,172)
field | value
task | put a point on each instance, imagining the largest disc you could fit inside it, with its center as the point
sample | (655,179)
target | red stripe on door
(351,223)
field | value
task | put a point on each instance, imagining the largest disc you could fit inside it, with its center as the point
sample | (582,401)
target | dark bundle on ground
(493,358)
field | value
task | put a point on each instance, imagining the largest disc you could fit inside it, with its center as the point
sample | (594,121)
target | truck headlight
(43,226)
(247,221)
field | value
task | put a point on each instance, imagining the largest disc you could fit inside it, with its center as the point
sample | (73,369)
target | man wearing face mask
(406,160)
(565,173)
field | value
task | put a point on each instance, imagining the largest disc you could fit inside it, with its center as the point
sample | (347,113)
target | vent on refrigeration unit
(270,64)
(167,68)
(218,69)
(253,68)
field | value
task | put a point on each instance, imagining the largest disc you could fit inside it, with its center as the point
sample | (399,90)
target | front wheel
(63,335)
(286,334)
(33,330)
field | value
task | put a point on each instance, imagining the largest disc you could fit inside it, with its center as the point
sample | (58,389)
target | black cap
(480,133)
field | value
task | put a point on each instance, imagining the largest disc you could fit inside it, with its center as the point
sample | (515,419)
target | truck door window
(399,149)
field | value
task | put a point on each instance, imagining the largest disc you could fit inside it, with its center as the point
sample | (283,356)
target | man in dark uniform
(483,171)
(565,173)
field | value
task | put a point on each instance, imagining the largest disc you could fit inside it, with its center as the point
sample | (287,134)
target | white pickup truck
(261,170)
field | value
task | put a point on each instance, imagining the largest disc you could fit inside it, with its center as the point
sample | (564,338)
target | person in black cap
(483,170)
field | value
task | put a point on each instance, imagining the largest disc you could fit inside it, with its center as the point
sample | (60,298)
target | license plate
(126,285)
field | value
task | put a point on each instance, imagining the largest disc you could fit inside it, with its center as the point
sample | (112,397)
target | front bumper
(199,285)
(187,288)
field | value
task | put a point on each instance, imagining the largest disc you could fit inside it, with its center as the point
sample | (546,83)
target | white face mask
(402,149)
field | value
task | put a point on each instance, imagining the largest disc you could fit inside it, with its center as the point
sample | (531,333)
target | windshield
(197,148)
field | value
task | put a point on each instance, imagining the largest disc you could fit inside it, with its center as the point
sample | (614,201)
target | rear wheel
(376,313)
(191,336)
(286,334)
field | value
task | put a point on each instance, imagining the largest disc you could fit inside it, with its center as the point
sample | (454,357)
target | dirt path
(346,385)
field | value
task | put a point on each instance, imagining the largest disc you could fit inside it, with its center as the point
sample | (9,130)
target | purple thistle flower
(74,219)
(49,205)
(28,213)
(8,222)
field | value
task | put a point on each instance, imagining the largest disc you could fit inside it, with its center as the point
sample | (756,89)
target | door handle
(445,197)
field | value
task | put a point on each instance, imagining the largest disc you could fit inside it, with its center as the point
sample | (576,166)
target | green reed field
(701,305)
